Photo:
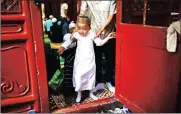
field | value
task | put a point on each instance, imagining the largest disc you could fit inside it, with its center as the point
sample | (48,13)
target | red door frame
(36,59)
(38,35)
(27,89)
(133,87)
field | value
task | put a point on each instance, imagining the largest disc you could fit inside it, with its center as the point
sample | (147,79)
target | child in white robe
(84,70)
(68,35)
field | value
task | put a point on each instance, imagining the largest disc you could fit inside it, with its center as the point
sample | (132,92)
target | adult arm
(65,11)
(112,10)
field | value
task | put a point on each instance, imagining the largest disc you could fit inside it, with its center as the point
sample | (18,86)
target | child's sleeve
(70,41)
(99,42)
(66,44)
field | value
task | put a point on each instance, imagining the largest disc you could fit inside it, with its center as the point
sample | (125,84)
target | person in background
(52,63)
(64,17)
(68,35)
(69,56)
(55,29)
(44,24)
(48,24)
(102,14)
(59,22)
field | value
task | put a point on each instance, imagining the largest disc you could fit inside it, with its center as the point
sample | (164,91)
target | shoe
(78,99)
(110,87)
(99,86)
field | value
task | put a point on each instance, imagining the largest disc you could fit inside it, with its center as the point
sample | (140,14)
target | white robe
(84,70)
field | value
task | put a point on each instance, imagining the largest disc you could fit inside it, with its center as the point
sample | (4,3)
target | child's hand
(61,50)
(112,35)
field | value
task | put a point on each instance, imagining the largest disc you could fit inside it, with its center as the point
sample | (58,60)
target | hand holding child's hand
(61,50)
(112,35)
(98,33)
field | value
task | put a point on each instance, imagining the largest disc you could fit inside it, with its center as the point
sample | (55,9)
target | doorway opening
(64,96)
(134,14)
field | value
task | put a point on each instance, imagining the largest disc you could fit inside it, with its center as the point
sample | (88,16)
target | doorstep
(89,107)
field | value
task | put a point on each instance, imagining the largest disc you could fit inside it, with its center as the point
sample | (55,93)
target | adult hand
(61,50)
(98,33)
(112,35)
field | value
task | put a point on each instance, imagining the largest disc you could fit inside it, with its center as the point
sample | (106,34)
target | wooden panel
(11,28)
(10,6)
(14,86)
(21,73)
(147,75)
(18,108)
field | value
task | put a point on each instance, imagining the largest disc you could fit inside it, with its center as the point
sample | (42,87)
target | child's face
(83,29)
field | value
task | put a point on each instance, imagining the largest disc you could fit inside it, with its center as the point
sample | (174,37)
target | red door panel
(21,89)
(147,75)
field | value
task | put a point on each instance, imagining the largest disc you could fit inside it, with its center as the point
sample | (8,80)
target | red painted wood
(40,57)
(89,107)
(23,67)
(147,75)
(13,28)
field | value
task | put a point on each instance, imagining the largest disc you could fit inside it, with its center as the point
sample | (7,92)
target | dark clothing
(49,34)
(52,64)
(108,50)
(52,61)
(56,35)
(65,26)
(69,56)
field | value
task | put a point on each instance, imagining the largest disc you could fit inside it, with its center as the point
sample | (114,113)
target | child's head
(83,25)
(71,26)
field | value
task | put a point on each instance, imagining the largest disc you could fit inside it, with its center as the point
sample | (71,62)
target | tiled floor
(60,101)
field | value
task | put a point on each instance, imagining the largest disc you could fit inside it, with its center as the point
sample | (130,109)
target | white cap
(51,16)
(54,20)
(71,25)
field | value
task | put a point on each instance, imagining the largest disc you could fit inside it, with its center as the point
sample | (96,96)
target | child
(68,35)
(69,56)
(84,64)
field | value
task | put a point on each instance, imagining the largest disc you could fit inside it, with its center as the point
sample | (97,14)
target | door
(23,74)
(147,75)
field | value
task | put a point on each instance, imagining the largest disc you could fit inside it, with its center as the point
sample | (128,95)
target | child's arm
(65,45)
(100,42)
